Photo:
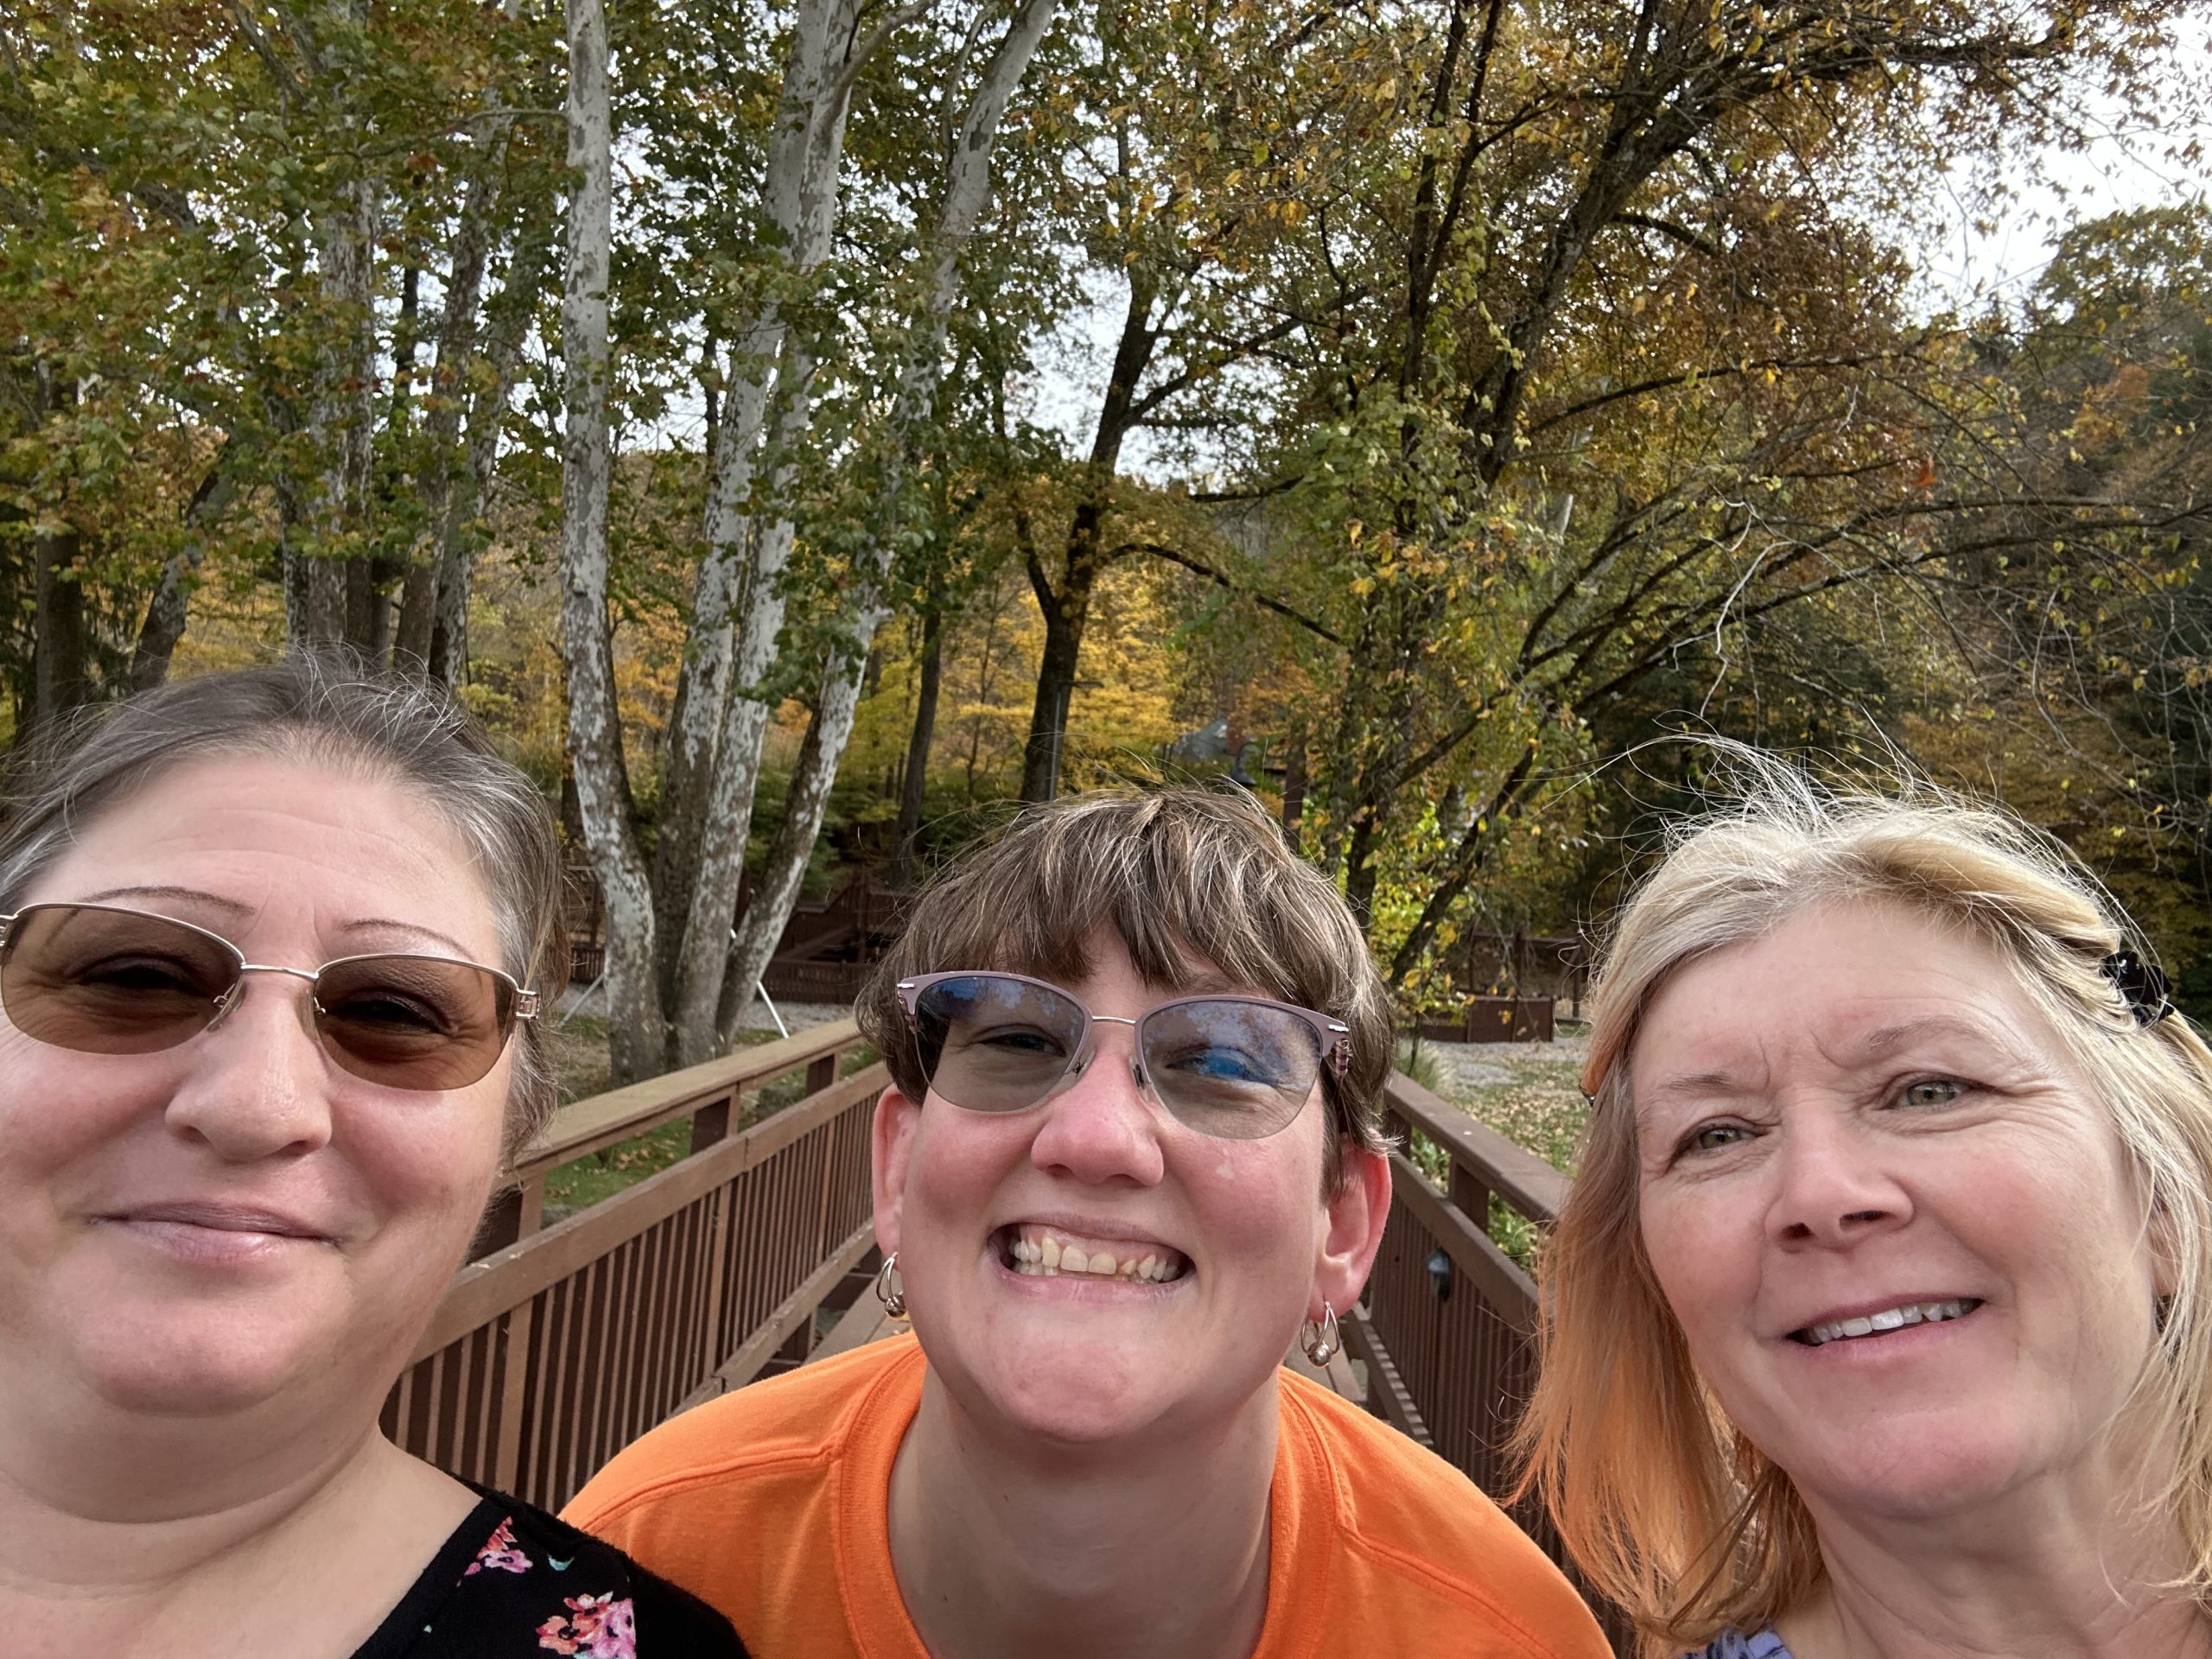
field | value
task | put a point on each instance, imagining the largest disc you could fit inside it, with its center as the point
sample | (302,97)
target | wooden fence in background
(556,1351)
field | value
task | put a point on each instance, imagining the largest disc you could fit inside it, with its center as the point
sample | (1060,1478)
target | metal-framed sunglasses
(1237,1067)
(101,979)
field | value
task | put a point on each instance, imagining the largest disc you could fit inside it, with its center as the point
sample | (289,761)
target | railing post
(821,1073)
(1472,1197)
(514,1214)
(711,1123)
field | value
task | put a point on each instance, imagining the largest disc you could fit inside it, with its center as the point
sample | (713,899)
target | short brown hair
(1176,873)
(324,708)
(1666,1507)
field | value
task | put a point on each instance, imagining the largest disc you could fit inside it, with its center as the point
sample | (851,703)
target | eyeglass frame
(526,1001)
(1335,1034)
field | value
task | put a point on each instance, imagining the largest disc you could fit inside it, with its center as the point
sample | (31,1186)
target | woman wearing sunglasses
(1128,1153)
(270,950)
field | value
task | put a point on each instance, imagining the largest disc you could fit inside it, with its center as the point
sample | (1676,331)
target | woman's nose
(256,1083)
(1832,1187)
(1100,1127)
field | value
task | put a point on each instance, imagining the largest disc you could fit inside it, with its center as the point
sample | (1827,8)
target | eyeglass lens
(1233,1068)
(104,980)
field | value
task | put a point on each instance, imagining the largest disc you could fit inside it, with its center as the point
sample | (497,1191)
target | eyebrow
(195,895)
(1877,1044)
(1886,1041)
(232,907)
(1699,1083)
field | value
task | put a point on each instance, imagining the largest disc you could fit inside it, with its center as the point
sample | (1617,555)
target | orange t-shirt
(773,1504)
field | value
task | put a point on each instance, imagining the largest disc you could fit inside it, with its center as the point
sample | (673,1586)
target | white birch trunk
(756,361)
(738,605)
(967,190)
(594,735)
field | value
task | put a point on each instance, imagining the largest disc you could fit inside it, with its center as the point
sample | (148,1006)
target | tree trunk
(634,1039)
(909,826)
(778,891)
(60,643)
(1067,607)
(459,536)
(719,717)
(469,254)
(320,592)
(967,187)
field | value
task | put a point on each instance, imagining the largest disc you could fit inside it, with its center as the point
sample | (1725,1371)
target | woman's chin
(1916,1480)
(175,1365)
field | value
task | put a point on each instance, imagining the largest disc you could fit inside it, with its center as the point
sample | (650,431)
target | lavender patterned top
(1765,1645)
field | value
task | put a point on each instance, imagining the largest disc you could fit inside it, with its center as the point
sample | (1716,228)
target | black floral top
(513,1583)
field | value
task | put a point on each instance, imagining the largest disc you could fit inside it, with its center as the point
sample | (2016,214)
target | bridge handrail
(1490,1161)
(710,1094)
(558,1347)
(604,1120)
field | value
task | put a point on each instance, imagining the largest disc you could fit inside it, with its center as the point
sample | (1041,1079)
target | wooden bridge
(753,1253)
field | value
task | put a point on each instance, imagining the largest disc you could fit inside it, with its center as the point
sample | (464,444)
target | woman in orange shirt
(1129,1151)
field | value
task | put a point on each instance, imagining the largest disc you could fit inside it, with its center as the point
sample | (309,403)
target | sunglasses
(1237,1067)
(103,980)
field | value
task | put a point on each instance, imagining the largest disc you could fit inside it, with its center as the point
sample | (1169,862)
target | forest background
(800,430)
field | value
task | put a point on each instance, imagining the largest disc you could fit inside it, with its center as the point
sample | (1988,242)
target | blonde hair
(1666,1507)
(1175,872)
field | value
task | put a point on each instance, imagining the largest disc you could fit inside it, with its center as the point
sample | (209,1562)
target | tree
(678,968)
(1626,373)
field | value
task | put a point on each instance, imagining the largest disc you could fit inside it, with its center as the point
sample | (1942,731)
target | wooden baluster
(821,1073)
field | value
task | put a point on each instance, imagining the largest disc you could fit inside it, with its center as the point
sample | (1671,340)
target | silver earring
(889,1291)
(1320,1338)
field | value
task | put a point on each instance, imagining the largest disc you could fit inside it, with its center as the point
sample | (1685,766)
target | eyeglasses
(102,980)
(1237,1067)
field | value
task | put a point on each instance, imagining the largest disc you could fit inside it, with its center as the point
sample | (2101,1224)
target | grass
(580,1062)
(1538,1107)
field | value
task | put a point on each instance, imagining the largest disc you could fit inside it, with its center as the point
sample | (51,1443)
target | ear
(1355,1214)
(890,1141)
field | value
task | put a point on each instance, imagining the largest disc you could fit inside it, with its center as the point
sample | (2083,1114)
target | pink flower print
(499,1552)
(594,1627)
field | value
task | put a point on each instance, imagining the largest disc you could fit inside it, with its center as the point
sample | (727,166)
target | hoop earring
(888,1290)
(1321,1339)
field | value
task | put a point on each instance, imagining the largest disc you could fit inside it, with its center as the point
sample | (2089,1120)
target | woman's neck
(1160,1549)
(92,1561)
(2052,1573)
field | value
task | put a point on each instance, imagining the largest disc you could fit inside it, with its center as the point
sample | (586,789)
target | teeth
(1036,1253)
(1888,1320)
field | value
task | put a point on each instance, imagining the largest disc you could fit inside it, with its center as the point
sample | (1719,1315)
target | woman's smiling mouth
(1880,1323)
(1037,1251)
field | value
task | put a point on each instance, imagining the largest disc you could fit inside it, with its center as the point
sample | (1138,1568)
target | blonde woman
(1879,1308)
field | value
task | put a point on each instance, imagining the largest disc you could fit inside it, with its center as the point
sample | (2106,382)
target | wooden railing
(1448,1325)
(556,1351)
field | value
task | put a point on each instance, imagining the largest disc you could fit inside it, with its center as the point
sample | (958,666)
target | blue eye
(1226,1066)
